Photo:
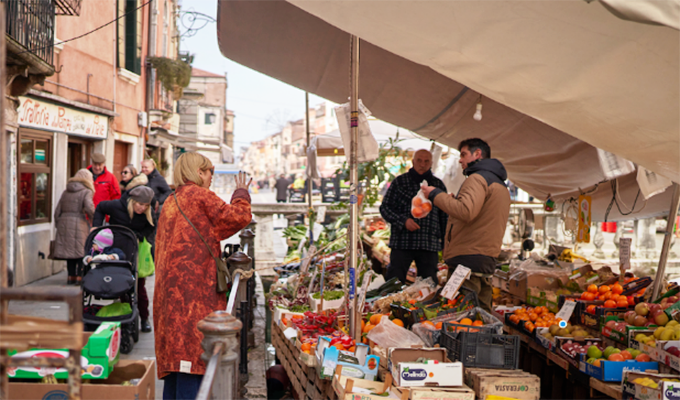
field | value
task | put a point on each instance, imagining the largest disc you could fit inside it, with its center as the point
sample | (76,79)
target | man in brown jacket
(477,217)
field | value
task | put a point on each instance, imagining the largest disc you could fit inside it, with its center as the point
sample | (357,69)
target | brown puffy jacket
(73,217)
(479,214)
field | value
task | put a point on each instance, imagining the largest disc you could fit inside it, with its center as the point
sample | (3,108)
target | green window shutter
(121,34)
(138,41)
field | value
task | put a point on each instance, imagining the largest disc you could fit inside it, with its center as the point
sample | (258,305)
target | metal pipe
(309,172)
(243,367)
(661,270)
(210,372)
(233,293)
(88,88)
(354,186)
(4,211)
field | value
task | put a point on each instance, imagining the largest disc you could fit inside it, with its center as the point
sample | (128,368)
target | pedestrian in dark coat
(282,189)
(73,217)
(128,174)
(157,183)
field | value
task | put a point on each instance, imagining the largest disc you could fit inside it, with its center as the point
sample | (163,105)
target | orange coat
(185,289)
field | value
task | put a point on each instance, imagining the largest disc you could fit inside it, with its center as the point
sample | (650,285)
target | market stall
(559,329)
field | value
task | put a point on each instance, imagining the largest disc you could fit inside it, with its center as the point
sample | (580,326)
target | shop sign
(47,116)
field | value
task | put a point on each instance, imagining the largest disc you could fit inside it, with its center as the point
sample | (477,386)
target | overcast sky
(259,102)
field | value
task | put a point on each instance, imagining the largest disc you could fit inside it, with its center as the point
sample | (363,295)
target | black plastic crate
(482,350)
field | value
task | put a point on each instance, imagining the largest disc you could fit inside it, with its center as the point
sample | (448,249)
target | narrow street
(258,359)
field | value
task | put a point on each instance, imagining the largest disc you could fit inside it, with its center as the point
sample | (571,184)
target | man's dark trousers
(400,261)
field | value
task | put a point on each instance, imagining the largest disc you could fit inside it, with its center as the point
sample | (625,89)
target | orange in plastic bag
(420,205)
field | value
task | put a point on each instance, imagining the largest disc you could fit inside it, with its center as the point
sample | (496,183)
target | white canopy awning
(558,79)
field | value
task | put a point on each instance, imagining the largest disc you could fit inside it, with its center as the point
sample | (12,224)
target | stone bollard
(222,327)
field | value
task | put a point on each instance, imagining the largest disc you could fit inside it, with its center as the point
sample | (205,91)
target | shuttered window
(130,36)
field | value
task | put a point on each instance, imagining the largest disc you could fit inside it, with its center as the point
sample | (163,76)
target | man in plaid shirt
(413,239)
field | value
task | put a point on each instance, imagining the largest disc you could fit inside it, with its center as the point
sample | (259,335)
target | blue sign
(352,283)
(353,199)
(414,374)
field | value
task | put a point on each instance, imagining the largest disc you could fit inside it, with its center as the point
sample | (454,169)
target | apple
(639,321)
(642,309)
(674,351)
(653,307)
(661,318)
(611,324)
(673,299)
(629,317)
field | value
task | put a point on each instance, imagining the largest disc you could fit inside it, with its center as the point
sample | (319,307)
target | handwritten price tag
(566,310)
(453,285)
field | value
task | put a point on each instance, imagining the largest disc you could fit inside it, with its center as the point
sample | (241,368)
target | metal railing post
(248,243)
(220,343)
(243,366)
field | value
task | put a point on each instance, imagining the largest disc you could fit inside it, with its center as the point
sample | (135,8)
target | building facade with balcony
(204,118)
(95,100)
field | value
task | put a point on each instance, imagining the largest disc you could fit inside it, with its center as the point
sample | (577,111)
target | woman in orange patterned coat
(186,291)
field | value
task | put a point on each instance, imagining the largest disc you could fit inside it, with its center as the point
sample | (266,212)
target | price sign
(453,285)
(364,289)
(321,215)
(624,254)
(567,309)
(307,260)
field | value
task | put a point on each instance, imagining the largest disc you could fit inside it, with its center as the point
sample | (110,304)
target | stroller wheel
(126,343)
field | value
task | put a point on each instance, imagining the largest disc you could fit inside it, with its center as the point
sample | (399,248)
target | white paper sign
(566,310)
(624,254)
(321,214)
(364,289)
(453,285)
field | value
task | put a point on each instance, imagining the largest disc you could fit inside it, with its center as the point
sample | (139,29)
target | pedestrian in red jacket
(105,184)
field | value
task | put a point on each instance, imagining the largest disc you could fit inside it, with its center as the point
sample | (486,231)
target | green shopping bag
(114,310)
(145,265)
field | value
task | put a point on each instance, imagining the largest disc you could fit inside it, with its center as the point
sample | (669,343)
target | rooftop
(201,73)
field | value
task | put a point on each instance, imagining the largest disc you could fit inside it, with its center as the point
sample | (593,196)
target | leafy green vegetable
(329,295)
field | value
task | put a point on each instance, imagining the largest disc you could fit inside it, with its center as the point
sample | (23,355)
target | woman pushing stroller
(133,212)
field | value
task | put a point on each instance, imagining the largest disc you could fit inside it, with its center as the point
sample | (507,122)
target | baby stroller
(113,280)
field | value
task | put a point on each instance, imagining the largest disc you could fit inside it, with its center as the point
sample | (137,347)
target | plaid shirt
(396,209)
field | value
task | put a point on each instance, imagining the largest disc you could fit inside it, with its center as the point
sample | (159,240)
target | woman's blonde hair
(131,211)
(132,169)
(187,166)
(150,160)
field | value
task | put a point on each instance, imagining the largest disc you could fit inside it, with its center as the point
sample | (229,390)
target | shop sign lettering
(41,115)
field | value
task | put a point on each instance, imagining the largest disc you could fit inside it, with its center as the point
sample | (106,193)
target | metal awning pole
(355,326)
(661,270)
(309,173)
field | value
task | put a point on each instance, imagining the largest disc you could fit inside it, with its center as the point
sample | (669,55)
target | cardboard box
(355,365)
(507,383)
(438,372)
(612,371)
(440,393)
(354,389)
(665,390)
(665,357)
(97,357)
(109,388)
(519,283)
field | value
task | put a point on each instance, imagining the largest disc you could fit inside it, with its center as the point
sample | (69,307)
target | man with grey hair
(105,184)
(413,239)
(157,183)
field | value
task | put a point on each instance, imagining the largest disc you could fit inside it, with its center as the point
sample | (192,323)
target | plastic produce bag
(388,334)
(114,310)
(420,205)
(145,264)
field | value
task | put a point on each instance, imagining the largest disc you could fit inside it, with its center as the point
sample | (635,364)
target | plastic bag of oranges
(420,205)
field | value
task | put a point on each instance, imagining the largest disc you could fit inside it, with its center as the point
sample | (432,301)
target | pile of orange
(374,321)
(536,317)
(611,295)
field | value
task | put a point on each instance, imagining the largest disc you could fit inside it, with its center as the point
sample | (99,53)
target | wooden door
(121,158)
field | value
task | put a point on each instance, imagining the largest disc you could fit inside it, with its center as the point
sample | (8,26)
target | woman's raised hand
(241,181)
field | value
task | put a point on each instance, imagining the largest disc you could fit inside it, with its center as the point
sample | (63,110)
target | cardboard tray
(107,389)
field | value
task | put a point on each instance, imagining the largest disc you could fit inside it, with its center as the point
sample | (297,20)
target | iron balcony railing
(68,7)
(31,24)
